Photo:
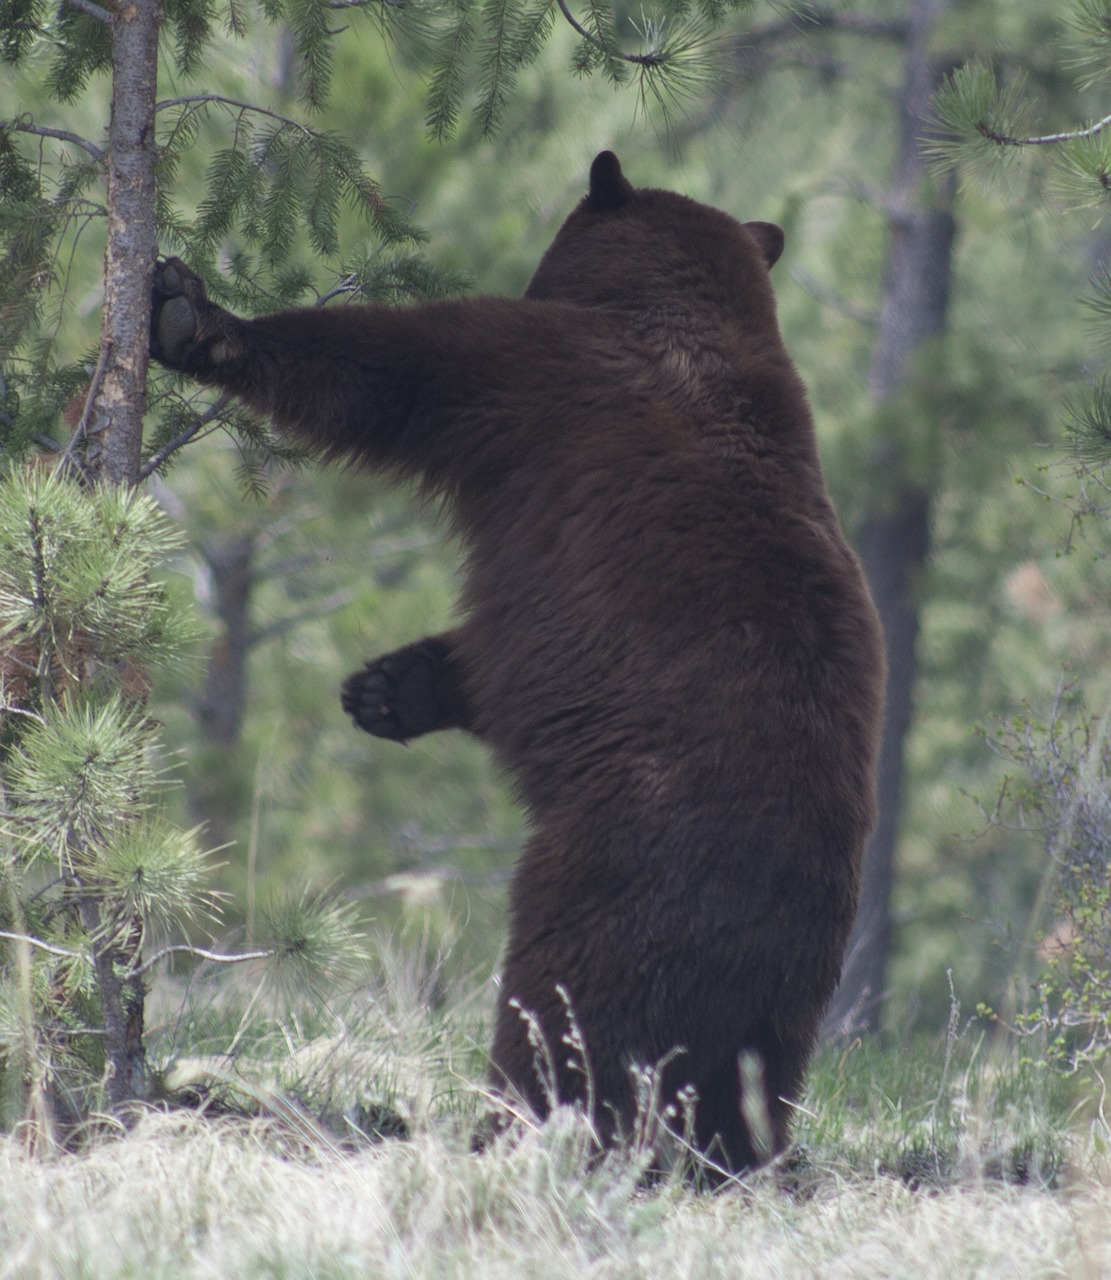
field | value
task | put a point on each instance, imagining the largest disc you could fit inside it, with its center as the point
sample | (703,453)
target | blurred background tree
(991,123)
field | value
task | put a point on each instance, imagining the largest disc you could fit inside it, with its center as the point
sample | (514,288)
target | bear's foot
(187,332)
(401,695)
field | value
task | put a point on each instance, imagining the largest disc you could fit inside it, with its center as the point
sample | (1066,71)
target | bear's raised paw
(407,693)
(187,331)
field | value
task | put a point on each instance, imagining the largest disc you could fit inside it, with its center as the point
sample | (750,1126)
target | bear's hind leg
(738,1132)
(409,692)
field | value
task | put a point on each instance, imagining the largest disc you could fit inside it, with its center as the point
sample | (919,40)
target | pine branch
(200,99)
(182,439)
(1045,139)
(65,952)
(446,82)
(62,135)
(93,10)
(198,953)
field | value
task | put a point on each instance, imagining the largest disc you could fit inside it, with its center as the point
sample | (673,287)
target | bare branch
(574,22)
(1045,139)
(199,953)
(182,438)
(833,299)
(349,284)
(202,99)
(93,10)
(61,135)
(42,946)
(69,454)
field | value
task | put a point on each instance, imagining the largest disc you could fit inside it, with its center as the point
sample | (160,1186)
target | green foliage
(76,586)
(86,625)
(1073,1011)
(158,873)
(1062,759)
(78,777)
(1088,23)
(82,49)
(977,121)
(1064,792)
(315,942)
(448,73)
(935,1110)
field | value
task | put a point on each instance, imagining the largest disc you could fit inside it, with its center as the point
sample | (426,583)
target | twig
(349,284)
(639,59)
(833,299)
(319,610)
(1045,139)
(42,946)
(179,441)
(856,24)
(62,135)
(201,99)
(184,949)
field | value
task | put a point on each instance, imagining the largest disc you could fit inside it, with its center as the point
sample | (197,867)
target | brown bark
(894,539)
(121,1003)
(115,430)
(114,440)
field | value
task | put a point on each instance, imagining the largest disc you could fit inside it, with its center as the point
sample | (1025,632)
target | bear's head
(644,250)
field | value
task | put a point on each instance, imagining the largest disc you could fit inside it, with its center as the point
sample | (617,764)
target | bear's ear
(609,188)
(769,237)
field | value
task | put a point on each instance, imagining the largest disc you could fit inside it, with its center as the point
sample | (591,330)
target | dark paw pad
(185,328)
(176,330)
(370,698)
(397,697)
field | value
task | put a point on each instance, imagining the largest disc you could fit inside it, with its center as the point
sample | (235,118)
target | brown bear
(664,638)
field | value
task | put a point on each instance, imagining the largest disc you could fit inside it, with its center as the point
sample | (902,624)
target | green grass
(938,1158)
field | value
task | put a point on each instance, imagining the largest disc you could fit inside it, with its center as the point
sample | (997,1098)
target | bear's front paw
(395,697)
(186,330)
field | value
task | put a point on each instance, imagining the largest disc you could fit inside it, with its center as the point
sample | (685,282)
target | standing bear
(664,638)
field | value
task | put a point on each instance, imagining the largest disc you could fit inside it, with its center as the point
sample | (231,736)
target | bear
(664,638)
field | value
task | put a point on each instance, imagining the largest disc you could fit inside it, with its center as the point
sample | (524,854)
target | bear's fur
(664,637)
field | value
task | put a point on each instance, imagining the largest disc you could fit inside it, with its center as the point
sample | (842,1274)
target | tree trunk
(894,539)
(115,432)
(122,1005)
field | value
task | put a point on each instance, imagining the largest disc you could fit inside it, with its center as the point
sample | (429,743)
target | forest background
(299,574)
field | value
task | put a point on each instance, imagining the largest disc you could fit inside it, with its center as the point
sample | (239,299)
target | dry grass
(185,1196)
(298,1192)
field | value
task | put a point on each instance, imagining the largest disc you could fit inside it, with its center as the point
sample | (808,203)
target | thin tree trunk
(119,400)
(122,1008)
(113,448)
(894,539)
